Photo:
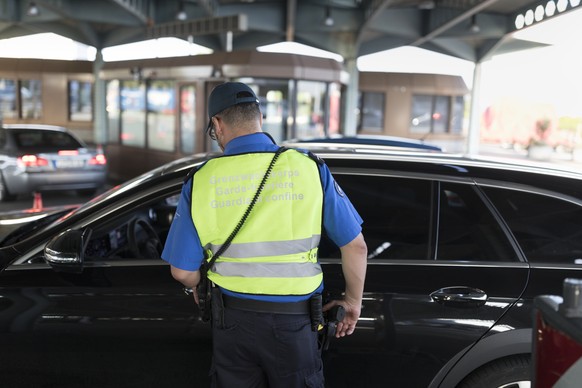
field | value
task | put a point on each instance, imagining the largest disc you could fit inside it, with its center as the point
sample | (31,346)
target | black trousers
(253,350)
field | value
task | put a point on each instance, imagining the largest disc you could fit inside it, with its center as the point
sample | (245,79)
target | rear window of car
(401,221)
(548,229)
(27,139)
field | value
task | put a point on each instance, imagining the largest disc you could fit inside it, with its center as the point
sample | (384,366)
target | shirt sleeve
(183,249)
(341,221)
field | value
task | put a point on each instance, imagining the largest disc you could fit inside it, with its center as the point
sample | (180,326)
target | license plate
(69,163)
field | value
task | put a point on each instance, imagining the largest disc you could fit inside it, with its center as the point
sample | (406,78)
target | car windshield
(27,229)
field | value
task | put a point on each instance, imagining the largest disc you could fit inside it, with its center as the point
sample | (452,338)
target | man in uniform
(269,274)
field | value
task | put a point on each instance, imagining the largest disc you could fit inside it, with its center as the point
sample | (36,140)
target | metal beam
(138,8)
(453,22)
(291,15)
(218,25)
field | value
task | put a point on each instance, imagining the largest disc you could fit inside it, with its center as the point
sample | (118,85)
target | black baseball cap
(226,95)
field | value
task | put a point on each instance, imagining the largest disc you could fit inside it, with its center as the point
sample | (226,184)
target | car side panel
(404,337)
(112,323)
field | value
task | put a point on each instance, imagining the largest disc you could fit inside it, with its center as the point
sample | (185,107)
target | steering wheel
(151,247)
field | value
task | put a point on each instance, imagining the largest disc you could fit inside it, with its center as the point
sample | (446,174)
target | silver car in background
(36,158)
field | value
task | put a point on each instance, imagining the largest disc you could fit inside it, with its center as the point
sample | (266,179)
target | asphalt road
(48,199)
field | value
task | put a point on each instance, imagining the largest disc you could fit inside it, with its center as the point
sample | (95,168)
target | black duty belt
(259,306)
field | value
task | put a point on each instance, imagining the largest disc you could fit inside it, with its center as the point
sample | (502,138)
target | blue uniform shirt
(183,248)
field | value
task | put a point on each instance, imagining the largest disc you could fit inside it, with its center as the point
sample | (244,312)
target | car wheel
(509,372)
(5,196)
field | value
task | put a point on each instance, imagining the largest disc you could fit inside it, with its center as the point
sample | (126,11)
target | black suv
(458,249)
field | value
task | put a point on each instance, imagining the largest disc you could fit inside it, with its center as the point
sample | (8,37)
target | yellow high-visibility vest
(275,251)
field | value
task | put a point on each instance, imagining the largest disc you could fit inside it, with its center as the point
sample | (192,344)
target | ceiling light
(328,19)
(181,15)
(32,9)
(474,26)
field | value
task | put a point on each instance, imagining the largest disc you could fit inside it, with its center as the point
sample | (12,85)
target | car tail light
(32,161)
(98,159)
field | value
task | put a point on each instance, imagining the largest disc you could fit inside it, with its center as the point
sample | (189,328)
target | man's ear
(217,126)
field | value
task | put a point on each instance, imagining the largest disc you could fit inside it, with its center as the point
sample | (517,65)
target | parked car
(42,158)
(369,140)
(458,249)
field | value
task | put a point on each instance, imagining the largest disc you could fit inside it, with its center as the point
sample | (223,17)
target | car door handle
(459,296)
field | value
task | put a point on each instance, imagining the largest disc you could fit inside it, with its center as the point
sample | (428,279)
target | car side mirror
(66,251)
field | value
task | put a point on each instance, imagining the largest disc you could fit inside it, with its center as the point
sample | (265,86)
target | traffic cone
(37,201)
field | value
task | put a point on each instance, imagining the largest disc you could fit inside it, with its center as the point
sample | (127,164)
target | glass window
(548,229)
(421,114)
(8,99)
(161,116)
(333,125)
(440,115)
(274,110)
(39,140)
(188,119)
(467,230)
(80,101)
(372,111)
(432,114)
(396,213)
(30,94)
(113,111)
(458,114)
(309,118)
(133,113)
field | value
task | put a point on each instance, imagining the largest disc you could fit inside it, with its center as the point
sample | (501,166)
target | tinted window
(40,139)
(467,229)
(396,214)
(548,229)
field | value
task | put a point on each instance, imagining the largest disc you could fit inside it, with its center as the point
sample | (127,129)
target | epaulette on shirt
(312,156)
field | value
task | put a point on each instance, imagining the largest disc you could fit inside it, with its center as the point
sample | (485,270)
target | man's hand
(354,261)
(187,278)
(348,324)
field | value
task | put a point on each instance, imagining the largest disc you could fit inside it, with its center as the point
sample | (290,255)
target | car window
(40,139)
(396,214)
(548,229)
(467,229)
(136,234)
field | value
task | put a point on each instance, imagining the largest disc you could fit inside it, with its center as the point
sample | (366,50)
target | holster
(204,290)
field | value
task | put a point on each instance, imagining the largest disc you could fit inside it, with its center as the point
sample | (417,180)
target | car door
(441,272)
(120,321)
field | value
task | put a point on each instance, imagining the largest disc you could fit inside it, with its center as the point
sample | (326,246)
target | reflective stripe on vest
(275,252)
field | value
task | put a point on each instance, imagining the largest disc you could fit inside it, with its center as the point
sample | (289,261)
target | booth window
(113,111)
(310,109)
(133,103)
(335,96)
(371,107)
(30,95)
(161,130)
(80,101)
(8,100)
(437,114)
(188,119)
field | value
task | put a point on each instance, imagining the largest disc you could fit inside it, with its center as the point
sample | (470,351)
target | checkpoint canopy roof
(468,29)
